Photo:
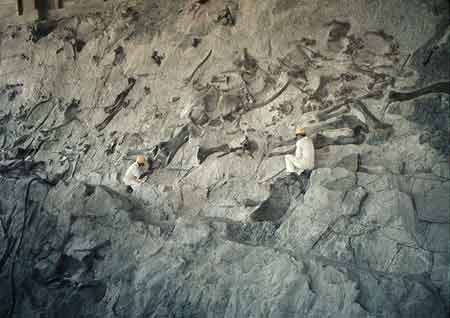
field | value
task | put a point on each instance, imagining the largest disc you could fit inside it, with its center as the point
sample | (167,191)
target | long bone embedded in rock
(325,115)
(163,153)
(190,77)
(238,105)
(231,104)
(33,108)
(320,141)
(372,121)
(70,115)
(341,121)
(204,152)
(271,98)
(440,87)
(118,104)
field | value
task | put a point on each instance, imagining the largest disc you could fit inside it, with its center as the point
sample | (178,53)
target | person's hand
(139,180)
(142,180)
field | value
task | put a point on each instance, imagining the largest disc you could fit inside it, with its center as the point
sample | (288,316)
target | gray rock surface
(365,234)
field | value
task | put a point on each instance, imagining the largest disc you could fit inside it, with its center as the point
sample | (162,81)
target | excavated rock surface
(218,231)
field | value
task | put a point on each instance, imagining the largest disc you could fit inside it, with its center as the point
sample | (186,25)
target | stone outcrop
(212,92)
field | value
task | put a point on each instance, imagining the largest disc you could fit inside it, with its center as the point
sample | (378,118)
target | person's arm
(299,149)
(146,173)
(148,170)
(141,179)
(132,180)
(136,176)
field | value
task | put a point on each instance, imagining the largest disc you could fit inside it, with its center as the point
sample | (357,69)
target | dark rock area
(212,92)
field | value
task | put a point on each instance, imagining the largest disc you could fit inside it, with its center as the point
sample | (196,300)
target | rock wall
(218,229)
(8,7)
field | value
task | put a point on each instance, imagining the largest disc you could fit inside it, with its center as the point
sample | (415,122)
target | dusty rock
(225,233)
(431,198)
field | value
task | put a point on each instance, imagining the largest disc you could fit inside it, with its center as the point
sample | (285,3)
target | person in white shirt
(136,172)
(304,154)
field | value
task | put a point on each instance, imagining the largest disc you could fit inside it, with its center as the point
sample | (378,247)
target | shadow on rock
(282,191)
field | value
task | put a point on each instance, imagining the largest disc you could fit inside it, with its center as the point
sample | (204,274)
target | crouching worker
(136,173)
(304,154)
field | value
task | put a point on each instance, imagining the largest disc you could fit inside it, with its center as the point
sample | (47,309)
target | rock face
(212,91)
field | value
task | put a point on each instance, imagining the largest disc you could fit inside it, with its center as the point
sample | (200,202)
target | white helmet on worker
(300,131)
(140,159)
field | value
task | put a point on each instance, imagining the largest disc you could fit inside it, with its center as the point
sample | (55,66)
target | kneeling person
(304,154)
(136,172)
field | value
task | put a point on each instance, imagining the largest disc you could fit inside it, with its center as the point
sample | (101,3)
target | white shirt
(133,172)
(305,151)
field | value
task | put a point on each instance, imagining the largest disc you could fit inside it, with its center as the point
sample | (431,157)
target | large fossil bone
(163,153)
(441,87)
